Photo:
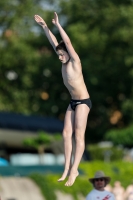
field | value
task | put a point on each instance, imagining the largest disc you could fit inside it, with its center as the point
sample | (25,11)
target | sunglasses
(99,179)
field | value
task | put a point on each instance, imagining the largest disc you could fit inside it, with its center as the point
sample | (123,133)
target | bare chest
(70,73)
(67,74)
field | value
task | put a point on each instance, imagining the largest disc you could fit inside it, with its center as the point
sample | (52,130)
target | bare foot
(64,175)
(72,178)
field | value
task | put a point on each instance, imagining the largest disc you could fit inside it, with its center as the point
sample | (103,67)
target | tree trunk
(41,150)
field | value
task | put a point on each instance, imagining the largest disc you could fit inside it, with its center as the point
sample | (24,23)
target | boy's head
(62,52)
(61,46)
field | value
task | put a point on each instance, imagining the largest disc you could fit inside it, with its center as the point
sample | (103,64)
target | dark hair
(61,46)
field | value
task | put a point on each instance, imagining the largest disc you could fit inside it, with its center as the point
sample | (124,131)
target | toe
(66,184)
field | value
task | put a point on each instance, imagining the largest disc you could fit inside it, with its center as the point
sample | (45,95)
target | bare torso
(74,81)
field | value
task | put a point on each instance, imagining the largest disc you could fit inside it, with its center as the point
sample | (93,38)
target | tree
(25,60)
(122,137)
(41,142)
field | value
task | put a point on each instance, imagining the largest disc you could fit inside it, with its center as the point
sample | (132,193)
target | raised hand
(40,21)
(55,21)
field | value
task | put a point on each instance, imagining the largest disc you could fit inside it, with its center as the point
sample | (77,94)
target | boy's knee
(79,137)
(66,134)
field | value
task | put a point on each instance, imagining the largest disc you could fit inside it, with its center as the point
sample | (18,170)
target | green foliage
(121,136)
(57,136)
(43,139)
(26,59)
(118,171)
(45,186)
(105,153)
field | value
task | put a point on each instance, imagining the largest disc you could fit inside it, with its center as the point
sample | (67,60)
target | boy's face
(63,56)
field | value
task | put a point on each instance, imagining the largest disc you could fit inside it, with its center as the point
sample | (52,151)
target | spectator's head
(100,180)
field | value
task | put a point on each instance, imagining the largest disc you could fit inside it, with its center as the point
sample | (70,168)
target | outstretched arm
(52,39)
(65,38)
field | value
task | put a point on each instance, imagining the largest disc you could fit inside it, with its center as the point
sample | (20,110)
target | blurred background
(33,98)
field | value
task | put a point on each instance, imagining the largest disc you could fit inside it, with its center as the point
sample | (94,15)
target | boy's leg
(67,137)
(81,115)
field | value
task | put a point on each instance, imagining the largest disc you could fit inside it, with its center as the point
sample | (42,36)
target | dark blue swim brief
(74,103)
